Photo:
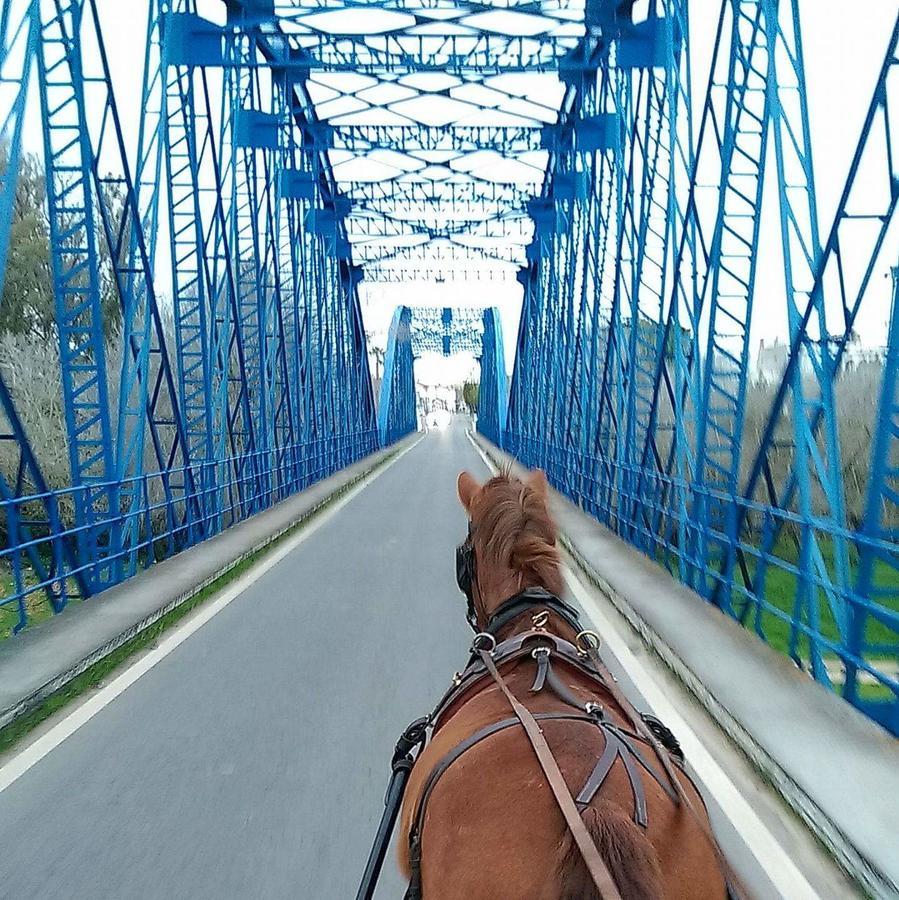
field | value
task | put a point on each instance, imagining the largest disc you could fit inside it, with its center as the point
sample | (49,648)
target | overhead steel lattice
(446,330)
(436,119)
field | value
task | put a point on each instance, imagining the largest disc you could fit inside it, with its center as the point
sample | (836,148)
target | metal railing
(842,635)
(49,557)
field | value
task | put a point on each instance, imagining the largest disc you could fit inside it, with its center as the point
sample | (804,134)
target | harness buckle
(540,618)
(483,640)
(587,642)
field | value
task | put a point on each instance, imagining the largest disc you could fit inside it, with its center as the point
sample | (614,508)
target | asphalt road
(251,762)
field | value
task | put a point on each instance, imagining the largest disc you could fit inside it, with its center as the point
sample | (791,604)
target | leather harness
(620,743)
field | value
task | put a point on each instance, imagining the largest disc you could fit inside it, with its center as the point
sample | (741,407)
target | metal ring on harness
(485,641)
(587,641)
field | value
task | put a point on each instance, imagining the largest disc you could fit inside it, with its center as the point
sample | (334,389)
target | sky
(843,47)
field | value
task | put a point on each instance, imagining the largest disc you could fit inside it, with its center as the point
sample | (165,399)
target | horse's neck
(498,588)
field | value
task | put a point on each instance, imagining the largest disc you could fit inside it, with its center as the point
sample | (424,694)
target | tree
(27,303)
(470,392)
(113,198)
(27,306)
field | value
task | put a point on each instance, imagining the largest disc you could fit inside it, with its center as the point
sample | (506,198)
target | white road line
(773,859)
(19,764)
(487,460)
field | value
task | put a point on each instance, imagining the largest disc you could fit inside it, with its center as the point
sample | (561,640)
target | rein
(599,872)
(486,658)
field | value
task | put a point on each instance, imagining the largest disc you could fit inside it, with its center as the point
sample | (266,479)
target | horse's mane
(521,534)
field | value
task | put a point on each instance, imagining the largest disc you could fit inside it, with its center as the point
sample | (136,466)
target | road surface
(251,762)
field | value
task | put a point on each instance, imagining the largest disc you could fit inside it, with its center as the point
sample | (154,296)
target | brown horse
(491,828)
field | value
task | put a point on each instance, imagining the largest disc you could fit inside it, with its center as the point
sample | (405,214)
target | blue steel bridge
(282,156)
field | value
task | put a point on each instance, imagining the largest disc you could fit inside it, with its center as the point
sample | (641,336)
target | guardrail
(53,553)
(840,627)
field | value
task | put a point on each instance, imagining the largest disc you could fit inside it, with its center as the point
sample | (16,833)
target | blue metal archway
(289,153)
(443,330)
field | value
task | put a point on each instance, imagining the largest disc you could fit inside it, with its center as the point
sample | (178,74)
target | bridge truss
(633,380)
(448,330)
(249,378)
(205,275)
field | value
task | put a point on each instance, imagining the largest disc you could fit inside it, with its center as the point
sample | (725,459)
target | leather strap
(615,749)
(542,656)
(476,738)
(560,689)
(413,892)
(639,726)
(598,775)
(600,874)
(516,647)
(642,729)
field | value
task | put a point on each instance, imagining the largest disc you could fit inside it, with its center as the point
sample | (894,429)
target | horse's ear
(537,480)
(467,488)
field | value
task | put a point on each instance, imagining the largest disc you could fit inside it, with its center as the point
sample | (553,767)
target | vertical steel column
(76,265)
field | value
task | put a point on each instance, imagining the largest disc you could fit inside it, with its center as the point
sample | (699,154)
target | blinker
(466,573)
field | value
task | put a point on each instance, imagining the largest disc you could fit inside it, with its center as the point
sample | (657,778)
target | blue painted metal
(632,377)
(396,407)
(76,264)
(493,395)
(19,28)
(878,538)
(260,385)
(628,208)
(447,331)
(22,525)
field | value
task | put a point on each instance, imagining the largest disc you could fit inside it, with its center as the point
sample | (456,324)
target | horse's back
(492,828)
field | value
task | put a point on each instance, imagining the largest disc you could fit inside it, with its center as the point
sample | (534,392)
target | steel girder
(493,395)
(444,330)
(419,39)
(436,274)
(258,384)
(71,203)
(19,35)
(632,366)
(427,109)
(396,407)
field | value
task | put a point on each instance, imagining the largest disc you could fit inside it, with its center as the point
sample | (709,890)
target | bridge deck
(251,761)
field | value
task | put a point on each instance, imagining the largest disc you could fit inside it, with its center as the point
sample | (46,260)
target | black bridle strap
(528,599)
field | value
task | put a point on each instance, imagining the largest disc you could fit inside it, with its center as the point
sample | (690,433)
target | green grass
(96,674)
(36,604)
(38,608)
(780,593)
(879,693)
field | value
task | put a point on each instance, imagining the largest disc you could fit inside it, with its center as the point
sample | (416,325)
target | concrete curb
(778,717)
(48,656)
